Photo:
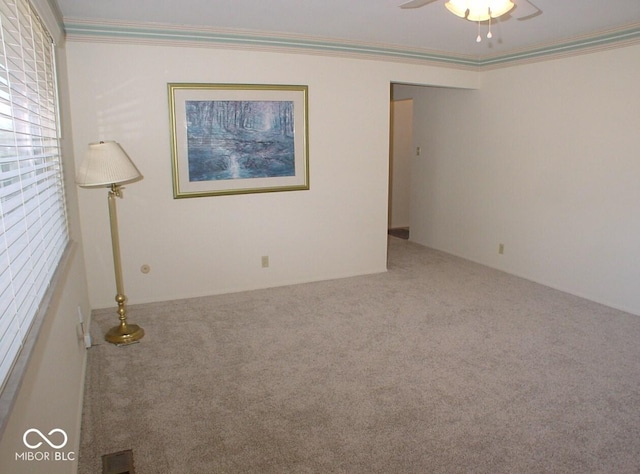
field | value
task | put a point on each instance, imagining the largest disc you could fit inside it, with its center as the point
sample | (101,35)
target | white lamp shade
(478,10)
(500,7)
(104,164)
(457,7)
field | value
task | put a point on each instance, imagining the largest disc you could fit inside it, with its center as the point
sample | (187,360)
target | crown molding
(615,38)
(162,34)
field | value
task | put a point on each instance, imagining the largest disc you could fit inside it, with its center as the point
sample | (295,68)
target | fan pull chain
(489,34)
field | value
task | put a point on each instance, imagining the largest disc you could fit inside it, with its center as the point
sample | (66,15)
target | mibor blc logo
(45,447)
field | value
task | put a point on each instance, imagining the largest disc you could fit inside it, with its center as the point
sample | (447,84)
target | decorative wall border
(88,30)
(580,45)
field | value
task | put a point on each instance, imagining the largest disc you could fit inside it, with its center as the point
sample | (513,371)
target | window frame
(64,248)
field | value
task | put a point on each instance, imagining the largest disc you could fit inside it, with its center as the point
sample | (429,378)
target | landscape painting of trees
(238,138)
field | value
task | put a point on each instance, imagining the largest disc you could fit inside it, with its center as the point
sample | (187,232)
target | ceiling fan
(520,9)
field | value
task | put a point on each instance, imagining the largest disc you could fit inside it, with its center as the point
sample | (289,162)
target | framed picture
(238,138)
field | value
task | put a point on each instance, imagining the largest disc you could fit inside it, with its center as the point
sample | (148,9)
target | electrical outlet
(501,249)
(265,261)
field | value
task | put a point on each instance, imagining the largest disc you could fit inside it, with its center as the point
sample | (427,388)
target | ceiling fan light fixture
(457,7)
(500,7)
(479,10)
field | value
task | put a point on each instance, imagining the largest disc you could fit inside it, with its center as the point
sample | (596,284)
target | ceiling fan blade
(416,3)
(525,10)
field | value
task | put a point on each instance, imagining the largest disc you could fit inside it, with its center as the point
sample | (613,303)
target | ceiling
(377,22)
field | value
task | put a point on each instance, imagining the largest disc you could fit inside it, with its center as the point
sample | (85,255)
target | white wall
(213,245)
(401,159)
(544,158)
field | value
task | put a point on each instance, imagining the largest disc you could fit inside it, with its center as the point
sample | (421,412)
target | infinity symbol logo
(44,438)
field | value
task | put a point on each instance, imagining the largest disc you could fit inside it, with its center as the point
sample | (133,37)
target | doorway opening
(400,154)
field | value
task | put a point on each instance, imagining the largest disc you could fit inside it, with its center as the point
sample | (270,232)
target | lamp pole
(107,164)
(123,333)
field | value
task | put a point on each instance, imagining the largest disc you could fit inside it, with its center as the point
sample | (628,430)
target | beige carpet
(437,366)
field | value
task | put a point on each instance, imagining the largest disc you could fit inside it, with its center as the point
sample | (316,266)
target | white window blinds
(33,222)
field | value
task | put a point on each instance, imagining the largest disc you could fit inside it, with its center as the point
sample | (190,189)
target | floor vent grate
(118,463)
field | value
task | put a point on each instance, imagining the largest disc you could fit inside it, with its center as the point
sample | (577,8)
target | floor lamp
(106,164)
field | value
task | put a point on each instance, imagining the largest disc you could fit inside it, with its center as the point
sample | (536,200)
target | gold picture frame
(238,138)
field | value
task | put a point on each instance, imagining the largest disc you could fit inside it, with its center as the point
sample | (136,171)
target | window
(33,223)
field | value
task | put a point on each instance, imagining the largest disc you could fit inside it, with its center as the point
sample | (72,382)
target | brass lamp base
(124,334)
